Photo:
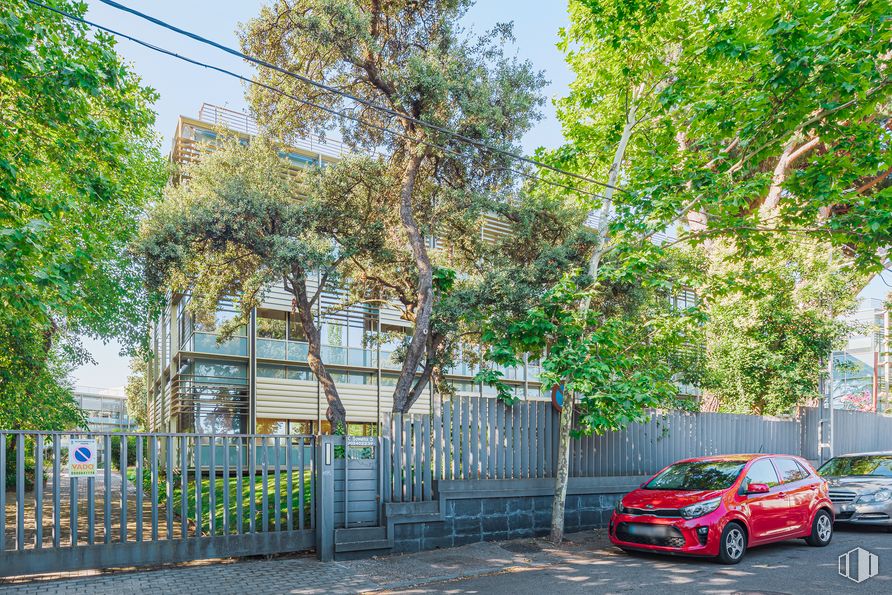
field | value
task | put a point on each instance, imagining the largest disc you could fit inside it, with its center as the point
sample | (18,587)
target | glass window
(271,324)
(762,471)
(789,470)
(333,334)
(697,475)
(300,427)
(270,371)
(865,466)
(295,329)
(271,426)
(389,379)
(300,373)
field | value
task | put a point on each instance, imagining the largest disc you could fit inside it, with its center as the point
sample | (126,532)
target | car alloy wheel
(821,530)
(733,544)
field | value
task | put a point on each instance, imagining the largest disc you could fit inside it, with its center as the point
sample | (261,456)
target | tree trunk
(335,413)
(562,475)
(424,296)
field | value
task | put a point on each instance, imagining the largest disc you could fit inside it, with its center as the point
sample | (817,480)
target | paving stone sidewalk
(306,575)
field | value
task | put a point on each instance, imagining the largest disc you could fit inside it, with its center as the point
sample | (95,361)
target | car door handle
(781,493)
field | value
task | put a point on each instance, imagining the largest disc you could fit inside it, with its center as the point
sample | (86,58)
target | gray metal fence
(154,498)
(479,438)
(858,431)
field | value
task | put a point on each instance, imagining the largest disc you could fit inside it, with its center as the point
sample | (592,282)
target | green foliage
(135,392)
(77,163)
(622,355)
(763,129)
(772,321)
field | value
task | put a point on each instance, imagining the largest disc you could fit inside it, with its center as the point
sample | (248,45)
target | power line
(370,104)
(326,109)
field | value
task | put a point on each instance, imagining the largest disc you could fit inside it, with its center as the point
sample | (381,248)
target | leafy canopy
(77,163)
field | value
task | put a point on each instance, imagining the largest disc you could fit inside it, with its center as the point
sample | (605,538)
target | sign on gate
(82,458)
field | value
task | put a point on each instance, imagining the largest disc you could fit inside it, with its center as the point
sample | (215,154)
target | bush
(116,451)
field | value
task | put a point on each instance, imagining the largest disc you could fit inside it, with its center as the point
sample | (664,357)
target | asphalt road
(598,567)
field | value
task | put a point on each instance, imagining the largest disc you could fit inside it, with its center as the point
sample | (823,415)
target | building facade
(862,372)
(105,409)
(259,381)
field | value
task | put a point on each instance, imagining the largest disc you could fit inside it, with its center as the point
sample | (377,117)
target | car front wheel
(821,530)
(732,544)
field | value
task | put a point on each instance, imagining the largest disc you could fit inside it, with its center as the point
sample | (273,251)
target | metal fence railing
(87,500)
(468,438)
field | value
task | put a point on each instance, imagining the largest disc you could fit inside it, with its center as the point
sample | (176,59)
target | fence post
(324,501)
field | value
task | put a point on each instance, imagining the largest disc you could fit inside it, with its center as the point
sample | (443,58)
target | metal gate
(349,500)
(146,499)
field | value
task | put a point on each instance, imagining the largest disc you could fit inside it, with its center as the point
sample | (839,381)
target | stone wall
(504,512)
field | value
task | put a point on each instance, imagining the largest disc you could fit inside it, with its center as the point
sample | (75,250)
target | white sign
(82,458)
(362,441)
(858,565)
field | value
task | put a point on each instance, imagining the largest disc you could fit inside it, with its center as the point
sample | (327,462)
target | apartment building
(862,372)
(104,408)
(259,381)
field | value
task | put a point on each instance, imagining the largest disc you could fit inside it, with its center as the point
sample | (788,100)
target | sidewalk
(306,575)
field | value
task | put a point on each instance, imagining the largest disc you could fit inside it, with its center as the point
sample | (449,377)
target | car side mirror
(757,488)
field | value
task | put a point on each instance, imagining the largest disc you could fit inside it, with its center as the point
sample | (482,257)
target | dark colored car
(861,488)
(719,506)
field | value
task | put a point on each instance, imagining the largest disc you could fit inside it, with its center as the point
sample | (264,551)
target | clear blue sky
(184,87)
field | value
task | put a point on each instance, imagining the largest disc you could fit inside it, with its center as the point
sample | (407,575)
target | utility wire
(334,112)
(370,104)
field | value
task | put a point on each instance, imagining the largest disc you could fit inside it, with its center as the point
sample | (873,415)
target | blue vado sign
(82,457)
(557,396)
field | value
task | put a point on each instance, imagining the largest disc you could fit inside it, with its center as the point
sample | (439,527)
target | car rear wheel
(821,530)
(732,544)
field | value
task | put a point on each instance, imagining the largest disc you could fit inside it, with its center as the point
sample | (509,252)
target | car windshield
(869,466)
(697,475)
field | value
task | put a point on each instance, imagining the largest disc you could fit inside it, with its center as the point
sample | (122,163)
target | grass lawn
(244,496)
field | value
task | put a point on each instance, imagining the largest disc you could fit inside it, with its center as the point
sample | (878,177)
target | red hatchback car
(719,506)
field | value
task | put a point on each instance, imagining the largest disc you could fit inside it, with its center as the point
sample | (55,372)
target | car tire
(732,543)
(821,530)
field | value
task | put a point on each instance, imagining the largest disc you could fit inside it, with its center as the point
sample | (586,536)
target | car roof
(743,457)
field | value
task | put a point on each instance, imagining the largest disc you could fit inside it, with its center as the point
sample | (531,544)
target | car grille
(842,496)
(673,537)
(669,513)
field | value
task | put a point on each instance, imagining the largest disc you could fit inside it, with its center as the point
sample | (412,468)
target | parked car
(720,506)
(861,488)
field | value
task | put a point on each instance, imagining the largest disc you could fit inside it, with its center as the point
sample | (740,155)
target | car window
(762,471)
(805,471)
(789,470)
(867,465)
(697,475)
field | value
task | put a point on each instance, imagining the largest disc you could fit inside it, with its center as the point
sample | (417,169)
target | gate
(350,498)
(146,499)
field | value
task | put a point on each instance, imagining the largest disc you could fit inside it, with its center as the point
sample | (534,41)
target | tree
(772,320)
(77,163)
(413,59)
(243,222)
(742,122)
(135,391)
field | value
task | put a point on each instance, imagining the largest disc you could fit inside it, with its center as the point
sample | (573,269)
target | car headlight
(700,508)
(880,496)
(619,507)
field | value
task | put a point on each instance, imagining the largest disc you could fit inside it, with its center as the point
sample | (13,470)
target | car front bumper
(864,514)
(675,535)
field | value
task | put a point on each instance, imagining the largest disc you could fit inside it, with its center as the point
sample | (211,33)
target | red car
(719,506)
